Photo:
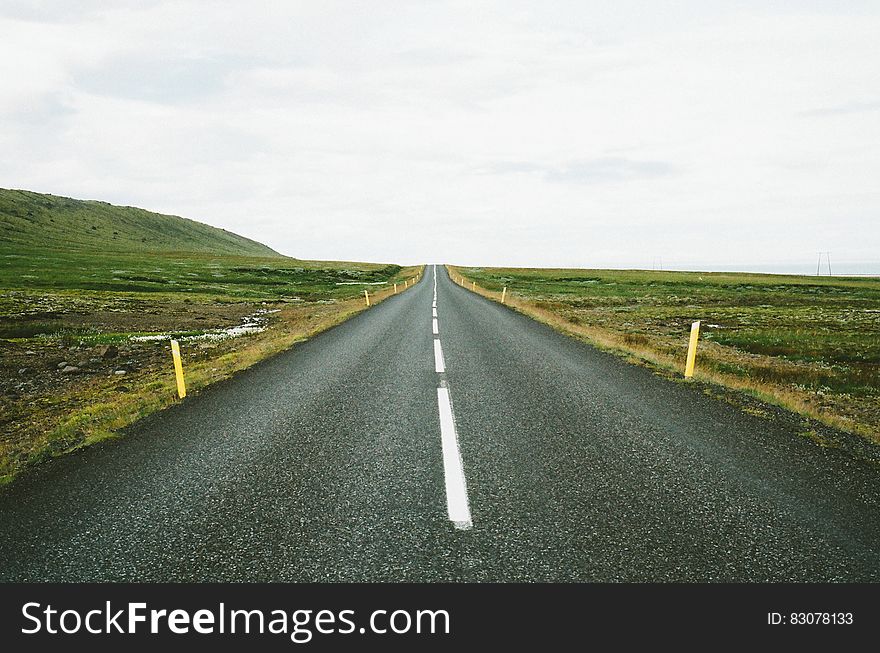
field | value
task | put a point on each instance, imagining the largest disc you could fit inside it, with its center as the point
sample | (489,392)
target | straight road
(442,437)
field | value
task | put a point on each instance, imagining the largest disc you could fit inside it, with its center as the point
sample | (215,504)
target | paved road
(343,460)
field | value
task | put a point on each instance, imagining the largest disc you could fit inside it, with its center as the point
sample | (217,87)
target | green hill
(34,220)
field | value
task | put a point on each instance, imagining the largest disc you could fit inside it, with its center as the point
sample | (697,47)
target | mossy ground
(810,344)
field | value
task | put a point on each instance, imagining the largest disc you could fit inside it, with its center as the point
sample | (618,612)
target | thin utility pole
(827,260)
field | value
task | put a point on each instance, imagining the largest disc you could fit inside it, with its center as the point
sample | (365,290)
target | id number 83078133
(810,619)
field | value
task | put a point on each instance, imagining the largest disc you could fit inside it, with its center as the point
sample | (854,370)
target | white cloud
(561,133)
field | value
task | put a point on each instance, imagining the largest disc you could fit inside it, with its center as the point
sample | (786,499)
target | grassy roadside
(810,345)
(85,307)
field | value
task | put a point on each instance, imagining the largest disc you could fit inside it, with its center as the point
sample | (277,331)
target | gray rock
(30,352)
(119,372)
(70,369)
(62,365)
(22,370)
(108,351)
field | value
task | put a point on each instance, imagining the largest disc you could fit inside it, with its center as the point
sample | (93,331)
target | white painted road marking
(457,506)
(456,488)
(439,366)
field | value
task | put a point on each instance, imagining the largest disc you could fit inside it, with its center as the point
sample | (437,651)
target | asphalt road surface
(506,452)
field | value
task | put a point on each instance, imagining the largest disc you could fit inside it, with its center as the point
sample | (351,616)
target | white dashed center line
(453,470)
(439,367)
(456,489)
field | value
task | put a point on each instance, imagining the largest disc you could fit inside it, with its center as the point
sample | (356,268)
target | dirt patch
(135,316)
(90,359)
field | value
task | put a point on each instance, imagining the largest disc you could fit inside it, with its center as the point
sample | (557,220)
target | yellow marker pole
(406,283)
(473,285)
(178,369)
(367,297)
(503,294)
(395,288)
(692,350)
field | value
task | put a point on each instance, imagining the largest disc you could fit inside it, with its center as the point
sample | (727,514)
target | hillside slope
(29,220)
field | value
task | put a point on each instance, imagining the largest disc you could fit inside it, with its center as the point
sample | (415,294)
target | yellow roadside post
(503,294)
(692,350)
(473,285)
(178,369)
(367,297)
(395,288)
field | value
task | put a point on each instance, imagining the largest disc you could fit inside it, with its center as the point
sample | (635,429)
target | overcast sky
(586,134)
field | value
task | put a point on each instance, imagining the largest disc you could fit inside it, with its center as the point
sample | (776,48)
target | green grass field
(811,342)
(42,286)
(77,276)
(184,273)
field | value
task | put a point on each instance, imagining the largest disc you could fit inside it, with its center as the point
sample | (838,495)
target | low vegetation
(811,344)
(85,320)
(32,220)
